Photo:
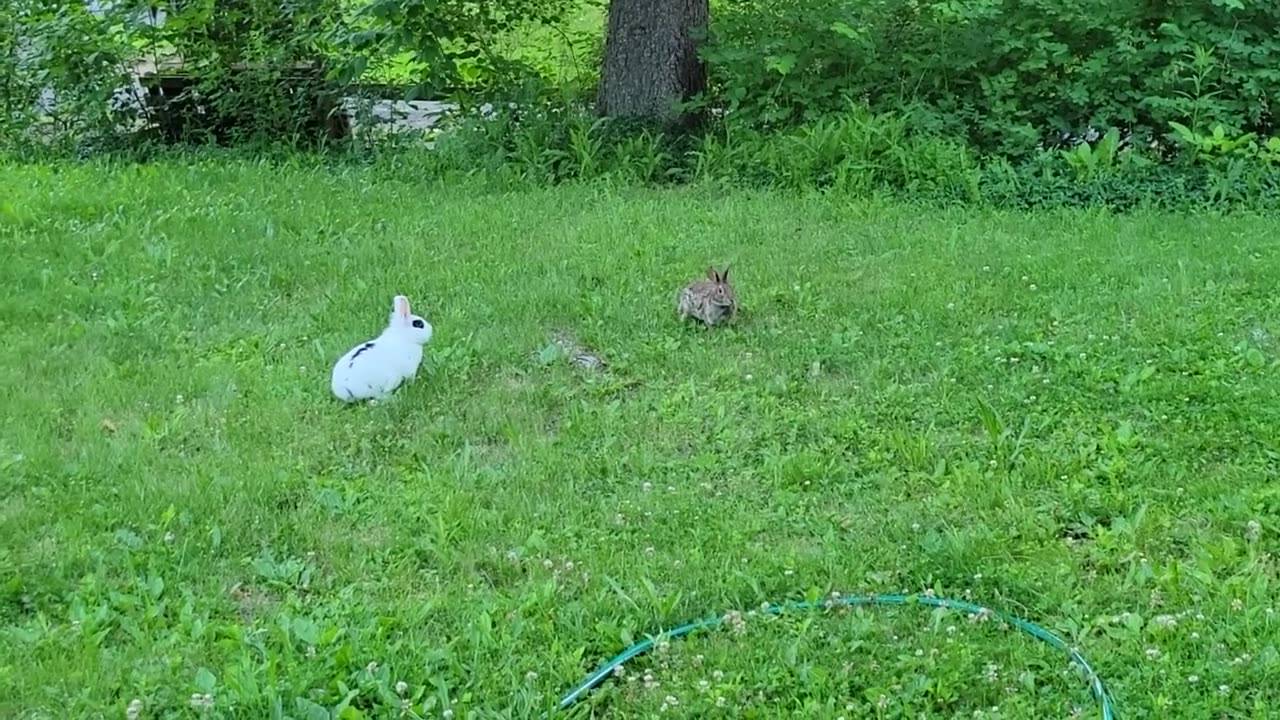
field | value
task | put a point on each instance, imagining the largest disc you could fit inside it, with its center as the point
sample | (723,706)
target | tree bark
(651,60)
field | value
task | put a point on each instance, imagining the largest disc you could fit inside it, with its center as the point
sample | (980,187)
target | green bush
(860,154)
(239,55)
(60,67)
(452,45)
(554,139)
(243,59)
(1013,103)
(855,153)
(247,60)
(1005,75)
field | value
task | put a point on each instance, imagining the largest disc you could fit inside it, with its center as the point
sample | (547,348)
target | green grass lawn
(1071,417)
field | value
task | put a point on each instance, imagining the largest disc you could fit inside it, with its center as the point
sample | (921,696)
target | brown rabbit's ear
(724,274)
(711,273)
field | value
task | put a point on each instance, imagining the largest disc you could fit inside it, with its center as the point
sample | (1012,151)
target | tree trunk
(651,59)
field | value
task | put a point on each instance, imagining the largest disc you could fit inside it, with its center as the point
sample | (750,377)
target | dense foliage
(72,71)
(1007,75)
(858,153)
(1023,102)
(452,45)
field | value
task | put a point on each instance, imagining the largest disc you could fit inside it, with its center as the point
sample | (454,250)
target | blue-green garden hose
(1095,683)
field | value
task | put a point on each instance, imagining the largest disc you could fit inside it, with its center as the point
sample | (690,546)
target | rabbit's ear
(712,274)
(724,274)
(400,307)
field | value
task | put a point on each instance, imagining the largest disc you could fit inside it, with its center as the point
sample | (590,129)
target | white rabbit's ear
(400,308)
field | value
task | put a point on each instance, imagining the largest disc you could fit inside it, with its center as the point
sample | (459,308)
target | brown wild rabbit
(710,300)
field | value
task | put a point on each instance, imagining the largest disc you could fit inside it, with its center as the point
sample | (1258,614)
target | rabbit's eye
(419,324)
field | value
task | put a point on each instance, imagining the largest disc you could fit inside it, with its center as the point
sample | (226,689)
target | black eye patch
(419,324)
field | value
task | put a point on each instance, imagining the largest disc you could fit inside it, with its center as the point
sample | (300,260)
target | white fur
(374,371)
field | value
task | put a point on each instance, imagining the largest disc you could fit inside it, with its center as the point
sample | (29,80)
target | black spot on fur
(359,350)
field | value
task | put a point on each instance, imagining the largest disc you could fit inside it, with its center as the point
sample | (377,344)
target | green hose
(1095,683)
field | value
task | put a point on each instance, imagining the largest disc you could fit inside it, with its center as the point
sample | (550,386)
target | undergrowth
(859,154)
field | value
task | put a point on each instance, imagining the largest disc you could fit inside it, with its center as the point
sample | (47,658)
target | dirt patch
(250,601)
(565,344)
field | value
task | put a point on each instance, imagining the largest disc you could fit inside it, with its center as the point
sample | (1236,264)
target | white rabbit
(374,369)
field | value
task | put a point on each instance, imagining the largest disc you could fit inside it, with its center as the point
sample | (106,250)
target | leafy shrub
(69,73)
(452,44)
(1006,75)
(258,68)
(62,67)
(857,154)
(566,49)
(1216,146)
(1015,103)
(263,69)
(555,139)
